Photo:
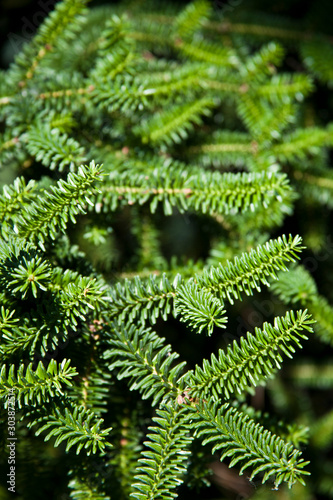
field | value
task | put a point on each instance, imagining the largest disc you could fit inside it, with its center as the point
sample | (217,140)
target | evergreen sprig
(163,466)
(54,149)
(200,309)
(208,132)
(77,427)
(253,360)
(206,192)
(245,273)
(248,443)
(140,355)
(33,387)
(56,206)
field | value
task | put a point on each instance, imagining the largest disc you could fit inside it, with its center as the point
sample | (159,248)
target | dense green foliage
(158,166)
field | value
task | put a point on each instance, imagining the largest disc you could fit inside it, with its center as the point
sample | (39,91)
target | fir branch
(134,93)
(225,149)
(79,294)
(308,374)
(262,30)
(163,469)
(262,122)
(207,192)
(141,356)
(80,490)
(54,149)
(301,288)
(63,20)
(153,298)
(316,55)
(208,52)
(175,124)
(51,213)
(192,18)
(22,338)
(248,442)
(199,309)
(253,360)
(286,87)
(23,271)
(246,273)
(34,387)
(322,431)
(78,427)
(14,196)
(7,322)
(262,63)
(302,143)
